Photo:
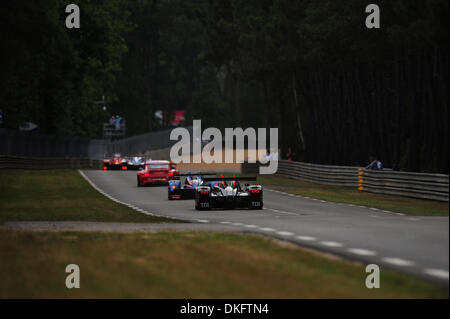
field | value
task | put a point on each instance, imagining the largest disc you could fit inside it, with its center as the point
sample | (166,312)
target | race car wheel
(197,206)
(169,197)
(139,182)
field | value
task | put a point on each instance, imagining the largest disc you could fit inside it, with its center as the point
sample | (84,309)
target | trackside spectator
(291,155)
(268,155)
(117,122)
(375,164)
(276,155)
(379,165)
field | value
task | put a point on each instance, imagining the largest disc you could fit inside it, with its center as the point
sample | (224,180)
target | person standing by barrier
(291,155)
(276,155)
(379,165)
(268,156)
(375,164)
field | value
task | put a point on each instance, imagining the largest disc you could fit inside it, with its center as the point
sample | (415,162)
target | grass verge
(338,194)
(59,195)
(185,265)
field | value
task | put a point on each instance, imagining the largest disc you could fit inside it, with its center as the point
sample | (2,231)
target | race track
(415,245)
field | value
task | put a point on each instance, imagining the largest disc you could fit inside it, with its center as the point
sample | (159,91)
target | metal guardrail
(416,185)
(324,174)
(19,162)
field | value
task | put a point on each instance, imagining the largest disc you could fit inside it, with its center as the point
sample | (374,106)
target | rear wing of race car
(195,174)
(212,179)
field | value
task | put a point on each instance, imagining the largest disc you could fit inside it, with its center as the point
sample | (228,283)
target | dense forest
(338,91)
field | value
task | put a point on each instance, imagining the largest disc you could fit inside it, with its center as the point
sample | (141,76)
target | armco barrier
(324,174)
(18,162)
(416,185)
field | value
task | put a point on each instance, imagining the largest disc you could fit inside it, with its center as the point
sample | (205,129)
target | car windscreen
(158,166)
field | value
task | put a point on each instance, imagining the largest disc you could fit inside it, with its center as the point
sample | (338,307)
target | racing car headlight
(173,186)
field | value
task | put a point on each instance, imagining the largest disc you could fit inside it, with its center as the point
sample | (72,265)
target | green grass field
(338,194)
(59,195)
(185,265)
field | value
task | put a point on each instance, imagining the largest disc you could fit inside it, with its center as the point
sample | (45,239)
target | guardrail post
(360,179)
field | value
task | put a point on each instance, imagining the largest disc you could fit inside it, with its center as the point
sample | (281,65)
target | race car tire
(139,182)
(169,197)
(198,206)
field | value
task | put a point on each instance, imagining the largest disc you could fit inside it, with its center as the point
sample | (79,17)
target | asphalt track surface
(414,245)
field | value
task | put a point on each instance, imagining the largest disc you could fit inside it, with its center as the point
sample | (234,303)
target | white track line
(285,233)
(398,261)
(331,244)
(361,252)
(306,238)
(114,199)
(324,201)
(267,229)
(280,211)
(443,274)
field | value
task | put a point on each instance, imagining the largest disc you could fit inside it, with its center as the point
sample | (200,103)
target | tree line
(337,91)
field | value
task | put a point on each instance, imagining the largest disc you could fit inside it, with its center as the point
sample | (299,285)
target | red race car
(156,172)
(116,163)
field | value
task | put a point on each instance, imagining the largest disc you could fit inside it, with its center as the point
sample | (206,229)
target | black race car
(183,186)
(227,192)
